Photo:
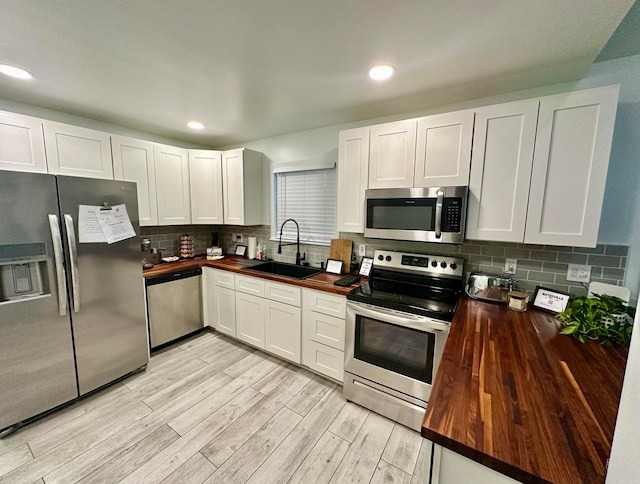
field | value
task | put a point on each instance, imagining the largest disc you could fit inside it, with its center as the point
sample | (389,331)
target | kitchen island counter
(241,265)
(514,395)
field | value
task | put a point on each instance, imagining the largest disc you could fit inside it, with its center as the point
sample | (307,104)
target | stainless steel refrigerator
(72,313)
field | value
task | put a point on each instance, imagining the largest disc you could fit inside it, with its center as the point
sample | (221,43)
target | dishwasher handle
(173,276)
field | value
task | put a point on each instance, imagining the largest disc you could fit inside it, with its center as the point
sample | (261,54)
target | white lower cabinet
(282,330)
(219,300)
(323,327)
(250,319)
(452,468)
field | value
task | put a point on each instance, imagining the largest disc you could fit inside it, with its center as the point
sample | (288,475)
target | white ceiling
(249,69)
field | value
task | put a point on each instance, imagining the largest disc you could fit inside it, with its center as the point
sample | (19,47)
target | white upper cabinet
(443,149)
(76,151)
(392,156)
(500,171)
(353,176)
(21,143)
(172,183)
(570,167)
(242,177)
(205,173)
(133,161)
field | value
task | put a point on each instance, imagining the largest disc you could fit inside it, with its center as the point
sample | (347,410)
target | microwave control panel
(451,214)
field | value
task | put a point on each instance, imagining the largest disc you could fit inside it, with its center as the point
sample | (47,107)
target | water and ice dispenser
(23,271)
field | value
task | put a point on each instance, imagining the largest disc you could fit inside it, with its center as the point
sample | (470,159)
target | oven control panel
(435,265)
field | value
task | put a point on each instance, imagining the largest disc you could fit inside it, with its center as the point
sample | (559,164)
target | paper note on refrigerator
(115,223)
(89,229)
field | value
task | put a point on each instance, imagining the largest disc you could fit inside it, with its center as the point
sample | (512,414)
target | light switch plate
(362,250)
(237,238)
(579,273)
(510,266)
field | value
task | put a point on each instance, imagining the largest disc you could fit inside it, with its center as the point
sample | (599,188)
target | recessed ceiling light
(381,72)
(15,72)
(195,125)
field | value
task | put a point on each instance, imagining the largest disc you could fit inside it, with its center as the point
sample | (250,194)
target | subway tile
(491,269)
(481,259)
(609,273)
(596,271)
(516,253)
(598,249)
(493,250)
(621,250)
(606,281)
(544,255)
(555,267)
(529,265)
(572,258)
(578,291)
(604,260)
(541,276)
(470,249)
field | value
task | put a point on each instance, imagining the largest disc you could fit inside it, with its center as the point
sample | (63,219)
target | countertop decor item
(341,250)
(186,246)
(603,318)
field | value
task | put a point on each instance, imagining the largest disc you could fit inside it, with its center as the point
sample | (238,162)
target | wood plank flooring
(212,410)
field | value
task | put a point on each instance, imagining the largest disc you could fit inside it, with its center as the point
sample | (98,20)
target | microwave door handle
(439,214)
(73,256)
(56,238)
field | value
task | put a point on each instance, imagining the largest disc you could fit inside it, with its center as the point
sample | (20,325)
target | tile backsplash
(538,265)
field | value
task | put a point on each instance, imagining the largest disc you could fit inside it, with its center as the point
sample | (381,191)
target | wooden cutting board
(341,250)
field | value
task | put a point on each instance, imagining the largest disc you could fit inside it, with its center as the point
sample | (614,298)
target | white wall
(620,223)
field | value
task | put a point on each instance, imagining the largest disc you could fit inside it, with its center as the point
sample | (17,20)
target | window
(308,197)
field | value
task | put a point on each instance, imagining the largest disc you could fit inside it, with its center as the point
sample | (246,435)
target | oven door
(400,351)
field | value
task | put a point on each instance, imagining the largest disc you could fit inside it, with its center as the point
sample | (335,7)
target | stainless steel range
(396,328)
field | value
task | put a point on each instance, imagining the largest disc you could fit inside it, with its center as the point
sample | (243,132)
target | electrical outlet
(510,266)
(362,250)
(579,273)
(237,238)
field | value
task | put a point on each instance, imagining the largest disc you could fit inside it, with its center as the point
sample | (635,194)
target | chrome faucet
(297,242)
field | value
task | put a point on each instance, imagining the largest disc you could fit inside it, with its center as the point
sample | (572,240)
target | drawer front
(323,359)
(323,329)
(325,303)
(284,293)
(250,285)
(224,279)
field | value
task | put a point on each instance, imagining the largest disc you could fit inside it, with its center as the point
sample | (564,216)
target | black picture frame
(366,264)
(241,250)
(334,266)
(550,300)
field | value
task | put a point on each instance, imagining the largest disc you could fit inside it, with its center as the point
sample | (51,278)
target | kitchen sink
(287,270)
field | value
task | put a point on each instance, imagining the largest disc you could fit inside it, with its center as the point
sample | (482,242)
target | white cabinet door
(284,293)
(325,303)
(250,285)
(392,156)
(224,310)
(205,174)
(500,171)
(353,179)
(443,149)
(242,177)
(208,298)
(323,329)
(133,161)
(172,182)
(76,151)
(21,143)
(283,330)
(250,319)
(570,167)
(324,359)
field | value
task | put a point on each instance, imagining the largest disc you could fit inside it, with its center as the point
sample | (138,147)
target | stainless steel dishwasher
(174,305)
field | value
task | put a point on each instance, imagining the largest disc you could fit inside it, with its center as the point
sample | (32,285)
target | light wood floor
(213,410)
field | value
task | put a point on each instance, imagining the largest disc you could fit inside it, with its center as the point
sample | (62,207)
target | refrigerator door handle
(56,238)
(73,256)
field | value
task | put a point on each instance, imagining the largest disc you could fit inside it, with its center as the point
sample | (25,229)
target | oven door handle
(407,320)
(439,201)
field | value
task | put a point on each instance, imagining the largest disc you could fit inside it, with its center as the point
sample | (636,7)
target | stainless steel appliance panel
(36,351)
(106,286)
(174,303)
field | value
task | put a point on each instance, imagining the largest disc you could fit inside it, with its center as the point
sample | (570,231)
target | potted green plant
(603,318)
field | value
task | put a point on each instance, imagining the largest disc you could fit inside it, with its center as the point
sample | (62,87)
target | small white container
(517,300)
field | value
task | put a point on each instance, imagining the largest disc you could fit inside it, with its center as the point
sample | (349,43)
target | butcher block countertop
(241,265)
(515,396)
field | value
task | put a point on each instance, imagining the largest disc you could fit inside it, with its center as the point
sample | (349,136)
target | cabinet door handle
(57,257)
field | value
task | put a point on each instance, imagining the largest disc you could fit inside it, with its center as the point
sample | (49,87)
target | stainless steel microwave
(434,214)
